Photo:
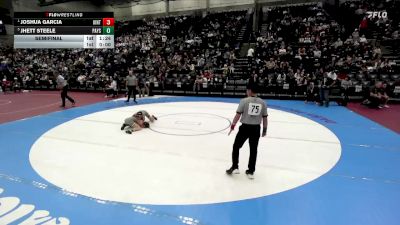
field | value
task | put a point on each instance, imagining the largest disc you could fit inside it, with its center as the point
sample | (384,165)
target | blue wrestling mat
(356,182)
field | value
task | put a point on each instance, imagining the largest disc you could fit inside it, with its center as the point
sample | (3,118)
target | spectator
(112,90)
(143,87)
(250,55)
(311,93)
(326,83)
(376,97)
(344,90)
(16,85)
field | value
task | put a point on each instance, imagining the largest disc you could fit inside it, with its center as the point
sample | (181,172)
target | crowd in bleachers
(386,23)
(296,49)
(378,20)
(184,47)
(297,45)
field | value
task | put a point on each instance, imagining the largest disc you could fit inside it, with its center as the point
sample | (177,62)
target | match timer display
(64,30)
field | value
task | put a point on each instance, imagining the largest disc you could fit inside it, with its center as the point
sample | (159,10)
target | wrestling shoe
(128,132)
(123,126)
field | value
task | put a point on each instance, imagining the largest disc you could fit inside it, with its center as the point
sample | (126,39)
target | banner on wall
(147,9)
(224,3)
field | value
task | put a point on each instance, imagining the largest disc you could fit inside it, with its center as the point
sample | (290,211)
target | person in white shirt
(250,52)
(338,43)
(317,53)
(363,39)
(332,75)
(250,55)
(112,89)
(62,84)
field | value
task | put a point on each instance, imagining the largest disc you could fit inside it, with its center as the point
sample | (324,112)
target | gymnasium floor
(322,166)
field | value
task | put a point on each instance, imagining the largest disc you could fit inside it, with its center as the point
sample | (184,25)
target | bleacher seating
(192,54)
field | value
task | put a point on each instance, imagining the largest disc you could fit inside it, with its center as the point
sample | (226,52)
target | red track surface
(15,106)
(389,118)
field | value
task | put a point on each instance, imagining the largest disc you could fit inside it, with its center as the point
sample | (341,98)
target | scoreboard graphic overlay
(93,30)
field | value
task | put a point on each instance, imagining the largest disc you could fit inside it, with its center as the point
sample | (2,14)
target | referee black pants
(131,90)
(251,132)
(64,94)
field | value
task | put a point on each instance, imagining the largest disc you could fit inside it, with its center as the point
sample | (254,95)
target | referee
(63,85)
(251,111)
(131,84)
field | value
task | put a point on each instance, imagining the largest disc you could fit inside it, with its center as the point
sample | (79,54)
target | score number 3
(108,22)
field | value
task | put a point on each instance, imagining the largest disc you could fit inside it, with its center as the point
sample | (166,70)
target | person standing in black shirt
(311,93)
(326,84)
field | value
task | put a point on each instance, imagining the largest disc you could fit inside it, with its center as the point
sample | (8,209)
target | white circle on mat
(91,156)
(191,124)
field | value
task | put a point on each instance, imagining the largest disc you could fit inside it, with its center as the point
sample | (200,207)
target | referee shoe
(232,170)
(249,174)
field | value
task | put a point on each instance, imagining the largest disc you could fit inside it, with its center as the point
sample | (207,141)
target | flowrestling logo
(380,15)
